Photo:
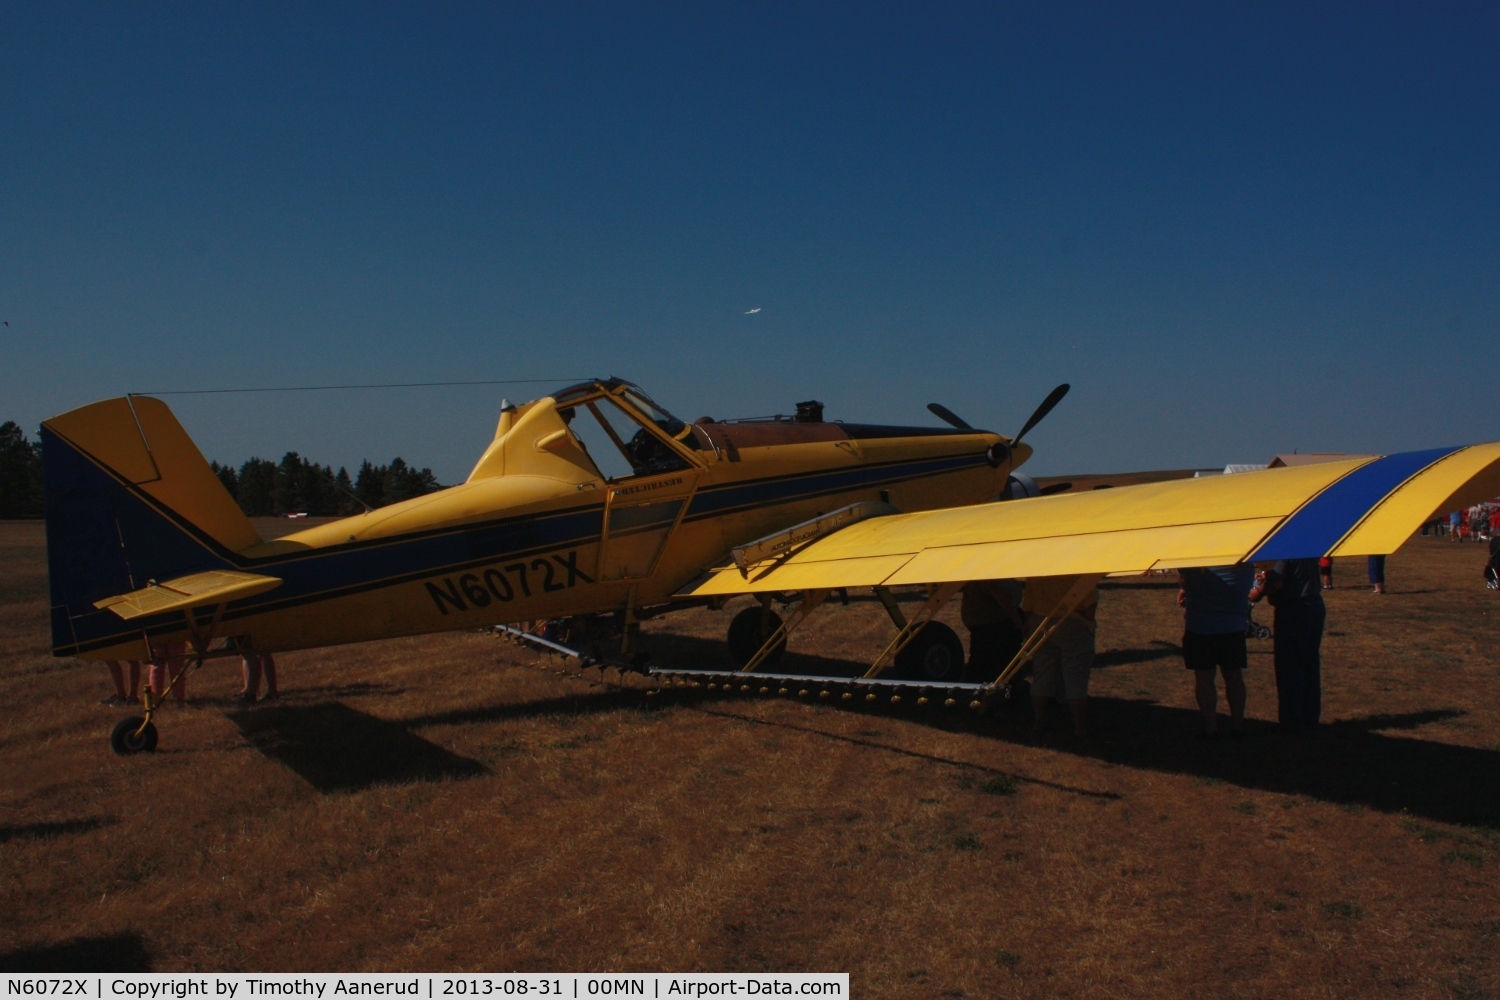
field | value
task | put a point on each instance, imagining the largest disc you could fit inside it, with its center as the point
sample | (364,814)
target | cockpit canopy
(610,418)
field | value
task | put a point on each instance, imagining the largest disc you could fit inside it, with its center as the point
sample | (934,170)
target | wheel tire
(749,631)
(936,654)
(124,741)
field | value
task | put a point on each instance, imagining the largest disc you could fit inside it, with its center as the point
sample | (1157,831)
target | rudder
(130,499)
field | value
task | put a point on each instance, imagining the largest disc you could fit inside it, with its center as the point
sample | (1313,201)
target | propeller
(1053,398)
(999,453)
(949,417)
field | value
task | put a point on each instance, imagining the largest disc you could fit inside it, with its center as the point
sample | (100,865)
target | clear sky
(1235,229)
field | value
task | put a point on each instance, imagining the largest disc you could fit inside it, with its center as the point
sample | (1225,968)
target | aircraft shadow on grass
(336,748)
(115,953)
(44,831)
(1352,762)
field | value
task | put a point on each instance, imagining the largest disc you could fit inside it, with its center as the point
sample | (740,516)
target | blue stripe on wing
(1315,529)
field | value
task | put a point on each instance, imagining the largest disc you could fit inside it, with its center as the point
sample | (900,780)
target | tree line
(264,488)
(20,473)
(261,487)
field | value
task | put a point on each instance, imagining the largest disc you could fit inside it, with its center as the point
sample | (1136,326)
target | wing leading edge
(1364,506)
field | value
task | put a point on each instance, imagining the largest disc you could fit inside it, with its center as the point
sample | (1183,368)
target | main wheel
(936,654)
(124,739)
(749,631)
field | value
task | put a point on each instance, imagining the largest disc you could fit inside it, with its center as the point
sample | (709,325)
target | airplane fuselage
(537,532)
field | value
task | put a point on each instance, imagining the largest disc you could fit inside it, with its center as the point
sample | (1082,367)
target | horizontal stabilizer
(192,591)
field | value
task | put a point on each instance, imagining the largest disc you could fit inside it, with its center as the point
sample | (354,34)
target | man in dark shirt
(991,611)
(1294,590)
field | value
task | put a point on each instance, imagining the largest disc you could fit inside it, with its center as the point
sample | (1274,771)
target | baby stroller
(1253,628)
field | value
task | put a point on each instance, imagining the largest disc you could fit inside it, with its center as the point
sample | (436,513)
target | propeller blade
(1053,398)
(947,416)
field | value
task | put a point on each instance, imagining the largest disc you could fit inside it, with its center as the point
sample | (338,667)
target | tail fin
(129,499)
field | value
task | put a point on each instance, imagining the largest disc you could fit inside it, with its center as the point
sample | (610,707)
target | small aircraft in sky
(147,549)
(752,312)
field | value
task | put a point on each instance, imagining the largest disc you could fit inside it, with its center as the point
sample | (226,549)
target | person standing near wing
(991,611)
(1060,668)
(1293,589)
(1216,605)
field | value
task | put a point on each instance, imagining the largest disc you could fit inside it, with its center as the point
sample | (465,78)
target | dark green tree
(257,488)
(20,473)
(228,477)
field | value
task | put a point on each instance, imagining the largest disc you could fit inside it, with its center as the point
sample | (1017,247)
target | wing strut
(1081,587)
(939,597)
(810,600)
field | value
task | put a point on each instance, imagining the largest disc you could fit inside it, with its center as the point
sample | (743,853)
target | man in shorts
(1216,605)
(1060,668)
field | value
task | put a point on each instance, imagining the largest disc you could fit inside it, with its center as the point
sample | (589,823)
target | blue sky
(1235,229)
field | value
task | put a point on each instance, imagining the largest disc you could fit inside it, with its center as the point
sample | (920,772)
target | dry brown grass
(440,803)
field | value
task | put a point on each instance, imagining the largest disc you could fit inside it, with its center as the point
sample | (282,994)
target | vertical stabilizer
(130,499)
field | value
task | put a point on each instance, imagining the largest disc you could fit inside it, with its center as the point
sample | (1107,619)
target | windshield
(654,413)
(616,441)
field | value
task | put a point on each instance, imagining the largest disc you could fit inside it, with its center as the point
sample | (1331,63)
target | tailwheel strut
(137,733)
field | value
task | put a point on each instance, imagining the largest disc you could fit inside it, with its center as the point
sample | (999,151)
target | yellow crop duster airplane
(147,548)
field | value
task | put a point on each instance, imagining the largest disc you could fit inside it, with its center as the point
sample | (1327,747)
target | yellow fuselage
(537,532)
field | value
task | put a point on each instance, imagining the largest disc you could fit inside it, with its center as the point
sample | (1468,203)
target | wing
(1360,506)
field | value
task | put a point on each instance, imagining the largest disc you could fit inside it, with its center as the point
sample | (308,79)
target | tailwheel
(935,654)
(749,631)
(133,734)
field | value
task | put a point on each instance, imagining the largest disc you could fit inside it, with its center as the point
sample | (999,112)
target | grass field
(443,804)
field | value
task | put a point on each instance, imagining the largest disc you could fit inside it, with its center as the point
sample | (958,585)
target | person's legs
(1299,686)
(268,665)
(178,667)
(1199,654)
(984,653)
(156,675)
(1312,669)
(1076,643)
(1079,707)
(1376,567)
(1208,699)
(250,670)
(1288,669)
(1234,693)
(135,681)
(1046,682)
(117,676)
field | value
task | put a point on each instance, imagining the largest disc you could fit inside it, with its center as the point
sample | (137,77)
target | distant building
(1309,458)
(1284,461)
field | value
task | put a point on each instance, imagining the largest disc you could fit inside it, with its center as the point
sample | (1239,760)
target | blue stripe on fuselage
(733,496)
(1315,529)
(322,574)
